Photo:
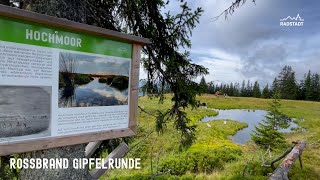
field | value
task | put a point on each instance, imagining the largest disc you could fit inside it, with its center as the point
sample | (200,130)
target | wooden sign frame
(51,142)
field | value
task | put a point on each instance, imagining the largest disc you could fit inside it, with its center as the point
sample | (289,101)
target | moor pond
(250,117)
(92,94)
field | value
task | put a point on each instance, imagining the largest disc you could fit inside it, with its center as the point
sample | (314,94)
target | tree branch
(231,9)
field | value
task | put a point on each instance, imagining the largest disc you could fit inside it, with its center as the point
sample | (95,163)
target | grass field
(213,155)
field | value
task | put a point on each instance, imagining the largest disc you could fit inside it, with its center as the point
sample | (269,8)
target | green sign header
(35,34)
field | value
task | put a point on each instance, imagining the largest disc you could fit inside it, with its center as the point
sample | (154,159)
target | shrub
(109,80)
(120,83)
(81,79)
(198,161)
(102,80)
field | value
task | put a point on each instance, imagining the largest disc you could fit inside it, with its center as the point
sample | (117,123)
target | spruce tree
(274,87)
(203,85)
(236,89)
(267,134)
(287,83)
(315,87)
(308,88)
(231,90)
(243,89)
(265,92)
(210,88)
(301,94)
(164,61)
(248,89)
(256,90)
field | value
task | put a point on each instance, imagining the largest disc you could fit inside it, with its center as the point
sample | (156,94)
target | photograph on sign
(25,112)
(86,80)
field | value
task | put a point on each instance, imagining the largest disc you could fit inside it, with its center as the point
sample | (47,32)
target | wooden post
(91,148)
(283,169)
(119,152)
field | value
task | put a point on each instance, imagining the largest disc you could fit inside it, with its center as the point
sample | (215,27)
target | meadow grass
(308,110)
(213,155)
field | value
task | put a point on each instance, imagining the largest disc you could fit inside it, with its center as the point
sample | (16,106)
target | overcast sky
(251,44)
(107,65)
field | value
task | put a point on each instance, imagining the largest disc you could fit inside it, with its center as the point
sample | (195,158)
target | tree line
(285,84)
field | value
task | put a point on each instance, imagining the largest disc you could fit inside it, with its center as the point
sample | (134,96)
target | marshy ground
(213,155)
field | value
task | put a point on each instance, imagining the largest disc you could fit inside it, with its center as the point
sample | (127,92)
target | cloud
(250,44)
(223,67)
(253,38)
(101,64)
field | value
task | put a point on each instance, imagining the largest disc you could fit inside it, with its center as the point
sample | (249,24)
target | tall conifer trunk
(74,10)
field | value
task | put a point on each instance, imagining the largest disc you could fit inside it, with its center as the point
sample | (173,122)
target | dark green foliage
(315,87)
(242,91)
(275,86)
(307,86)
(301,94)
(267,134)
(109,80)
(5,171)
(211,88)
(265,92)
(81,79)
(69,80)
(247,90)
(198,161)
(256,90)
(102,80)
(287,83)
(203,85)
(121,82)
(164,63)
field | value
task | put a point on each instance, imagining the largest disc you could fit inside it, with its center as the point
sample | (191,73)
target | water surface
(251,117)
(93,94)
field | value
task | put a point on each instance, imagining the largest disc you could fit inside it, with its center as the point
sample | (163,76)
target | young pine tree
(267,134)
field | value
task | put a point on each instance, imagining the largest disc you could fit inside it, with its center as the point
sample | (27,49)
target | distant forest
(285,84)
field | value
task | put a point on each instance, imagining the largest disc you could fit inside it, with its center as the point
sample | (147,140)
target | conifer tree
(203,85)
(211,89)
(267,134)
(301,94)
(256,90)
(265,92)
(315,87)
(287,83)
(243,89)
(308,88)
(231,90)
(248,89)
(275,87)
